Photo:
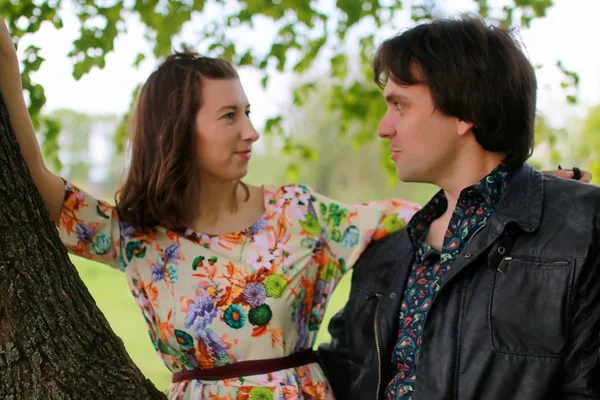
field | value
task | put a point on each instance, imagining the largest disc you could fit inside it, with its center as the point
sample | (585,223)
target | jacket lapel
(391,299)
(521,205)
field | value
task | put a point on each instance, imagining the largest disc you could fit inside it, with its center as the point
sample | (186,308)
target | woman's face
(224,131)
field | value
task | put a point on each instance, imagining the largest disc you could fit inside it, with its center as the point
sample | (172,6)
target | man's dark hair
(475,72)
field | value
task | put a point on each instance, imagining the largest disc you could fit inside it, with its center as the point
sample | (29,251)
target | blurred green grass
(111,292)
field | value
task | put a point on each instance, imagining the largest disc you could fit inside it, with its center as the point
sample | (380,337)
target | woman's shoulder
(291,194)
(287,188)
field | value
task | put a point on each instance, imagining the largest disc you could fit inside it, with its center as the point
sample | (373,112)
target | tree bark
(54,341)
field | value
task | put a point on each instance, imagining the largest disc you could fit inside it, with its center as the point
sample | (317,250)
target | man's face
(423,141)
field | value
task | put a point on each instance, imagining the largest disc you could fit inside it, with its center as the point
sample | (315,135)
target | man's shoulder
(577,188)
(392,245)
(572,198)
(384,253)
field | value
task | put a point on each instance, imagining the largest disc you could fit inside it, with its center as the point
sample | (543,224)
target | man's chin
(408,180)
(406,176)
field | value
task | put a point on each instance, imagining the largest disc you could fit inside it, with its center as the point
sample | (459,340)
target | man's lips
(395,153)
(246,154)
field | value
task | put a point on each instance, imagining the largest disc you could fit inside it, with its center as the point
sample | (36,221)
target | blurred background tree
(304,31)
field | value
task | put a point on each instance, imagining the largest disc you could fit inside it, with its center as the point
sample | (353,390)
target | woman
(232,279)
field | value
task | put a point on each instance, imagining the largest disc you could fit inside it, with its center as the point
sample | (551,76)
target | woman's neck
(217,200)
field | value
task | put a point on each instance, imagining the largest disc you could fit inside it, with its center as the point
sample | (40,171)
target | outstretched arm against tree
(49,185)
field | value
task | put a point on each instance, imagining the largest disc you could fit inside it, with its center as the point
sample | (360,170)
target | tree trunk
(54,341)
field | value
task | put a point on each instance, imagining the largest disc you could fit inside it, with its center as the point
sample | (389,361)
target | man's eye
(398,106)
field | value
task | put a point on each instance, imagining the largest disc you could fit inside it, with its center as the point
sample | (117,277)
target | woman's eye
(230,115)
(247,113)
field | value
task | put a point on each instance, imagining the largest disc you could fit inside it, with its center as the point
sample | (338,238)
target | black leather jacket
(518,316)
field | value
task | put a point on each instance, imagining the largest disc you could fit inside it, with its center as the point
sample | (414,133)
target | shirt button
(392,295)
(501,250)
(468,255)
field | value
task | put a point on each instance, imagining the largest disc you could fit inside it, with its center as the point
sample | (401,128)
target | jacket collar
(522,202)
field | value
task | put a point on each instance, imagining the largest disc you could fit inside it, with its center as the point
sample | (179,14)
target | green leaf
(141,253)
(352,8)
(313,49)
(164,347)
(323,208)
(264,81)
(291,172)
(228,52)
(100,213)
(138,59)
(311,224)
(246,59)
(136,249)
(278,51)
(308,153)
(336,235)
(339,67)
(50,131)
(273,125)
(197,261)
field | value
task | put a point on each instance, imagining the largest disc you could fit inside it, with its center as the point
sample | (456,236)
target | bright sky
(570,32)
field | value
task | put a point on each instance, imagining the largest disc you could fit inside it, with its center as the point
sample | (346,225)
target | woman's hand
(585,176)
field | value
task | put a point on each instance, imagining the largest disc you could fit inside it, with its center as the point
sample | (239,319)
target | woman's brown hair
(162,181)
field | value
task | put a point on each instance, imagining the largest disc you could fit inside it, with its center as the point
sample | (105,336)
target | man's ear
(463,127)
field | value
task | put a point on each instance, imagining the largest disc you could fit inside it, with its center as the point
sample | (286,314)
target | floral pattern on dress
(213,300)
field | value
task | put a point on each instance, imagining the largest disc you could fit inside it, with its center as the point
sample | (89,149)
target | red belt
(247,368)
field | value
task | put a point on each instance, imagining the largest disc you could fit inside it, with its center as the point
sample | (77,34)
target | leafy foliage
(588,143)
(305,31)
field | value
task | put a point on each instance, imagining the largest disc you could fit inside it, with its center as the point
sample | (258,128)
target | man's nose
(386,128)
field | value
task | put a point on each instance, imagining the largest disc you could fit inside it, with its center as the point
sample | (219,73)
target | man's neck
(465,172)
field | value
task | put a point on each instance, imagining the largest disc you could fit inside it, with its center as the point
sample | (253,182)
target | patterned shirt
(475,204)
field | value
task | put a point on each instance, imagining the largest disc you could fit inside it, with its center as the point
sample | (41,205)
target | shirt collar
(489,190)
(491,187)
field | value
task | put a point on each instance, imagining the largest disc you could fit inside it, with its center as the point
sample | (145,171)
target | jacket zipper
(505,261)
(378,345)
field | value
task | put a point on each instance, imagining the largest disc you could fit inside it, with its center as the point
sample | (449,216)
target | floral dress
(260,293)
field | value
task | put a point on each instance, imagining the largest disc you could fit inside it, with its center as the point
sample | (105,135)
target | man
(493,290)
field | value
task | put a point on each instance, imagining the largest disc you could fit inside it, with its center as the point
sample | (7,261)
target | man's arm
(344,359)
(334,356)
(581,369)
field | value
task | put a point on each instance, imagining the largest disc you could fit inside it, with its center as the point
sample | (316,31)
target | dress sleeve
(346,230)
(90,228)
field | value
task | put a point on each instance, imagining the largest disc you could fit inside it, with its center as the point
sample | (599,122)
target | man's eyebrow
(394,97)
